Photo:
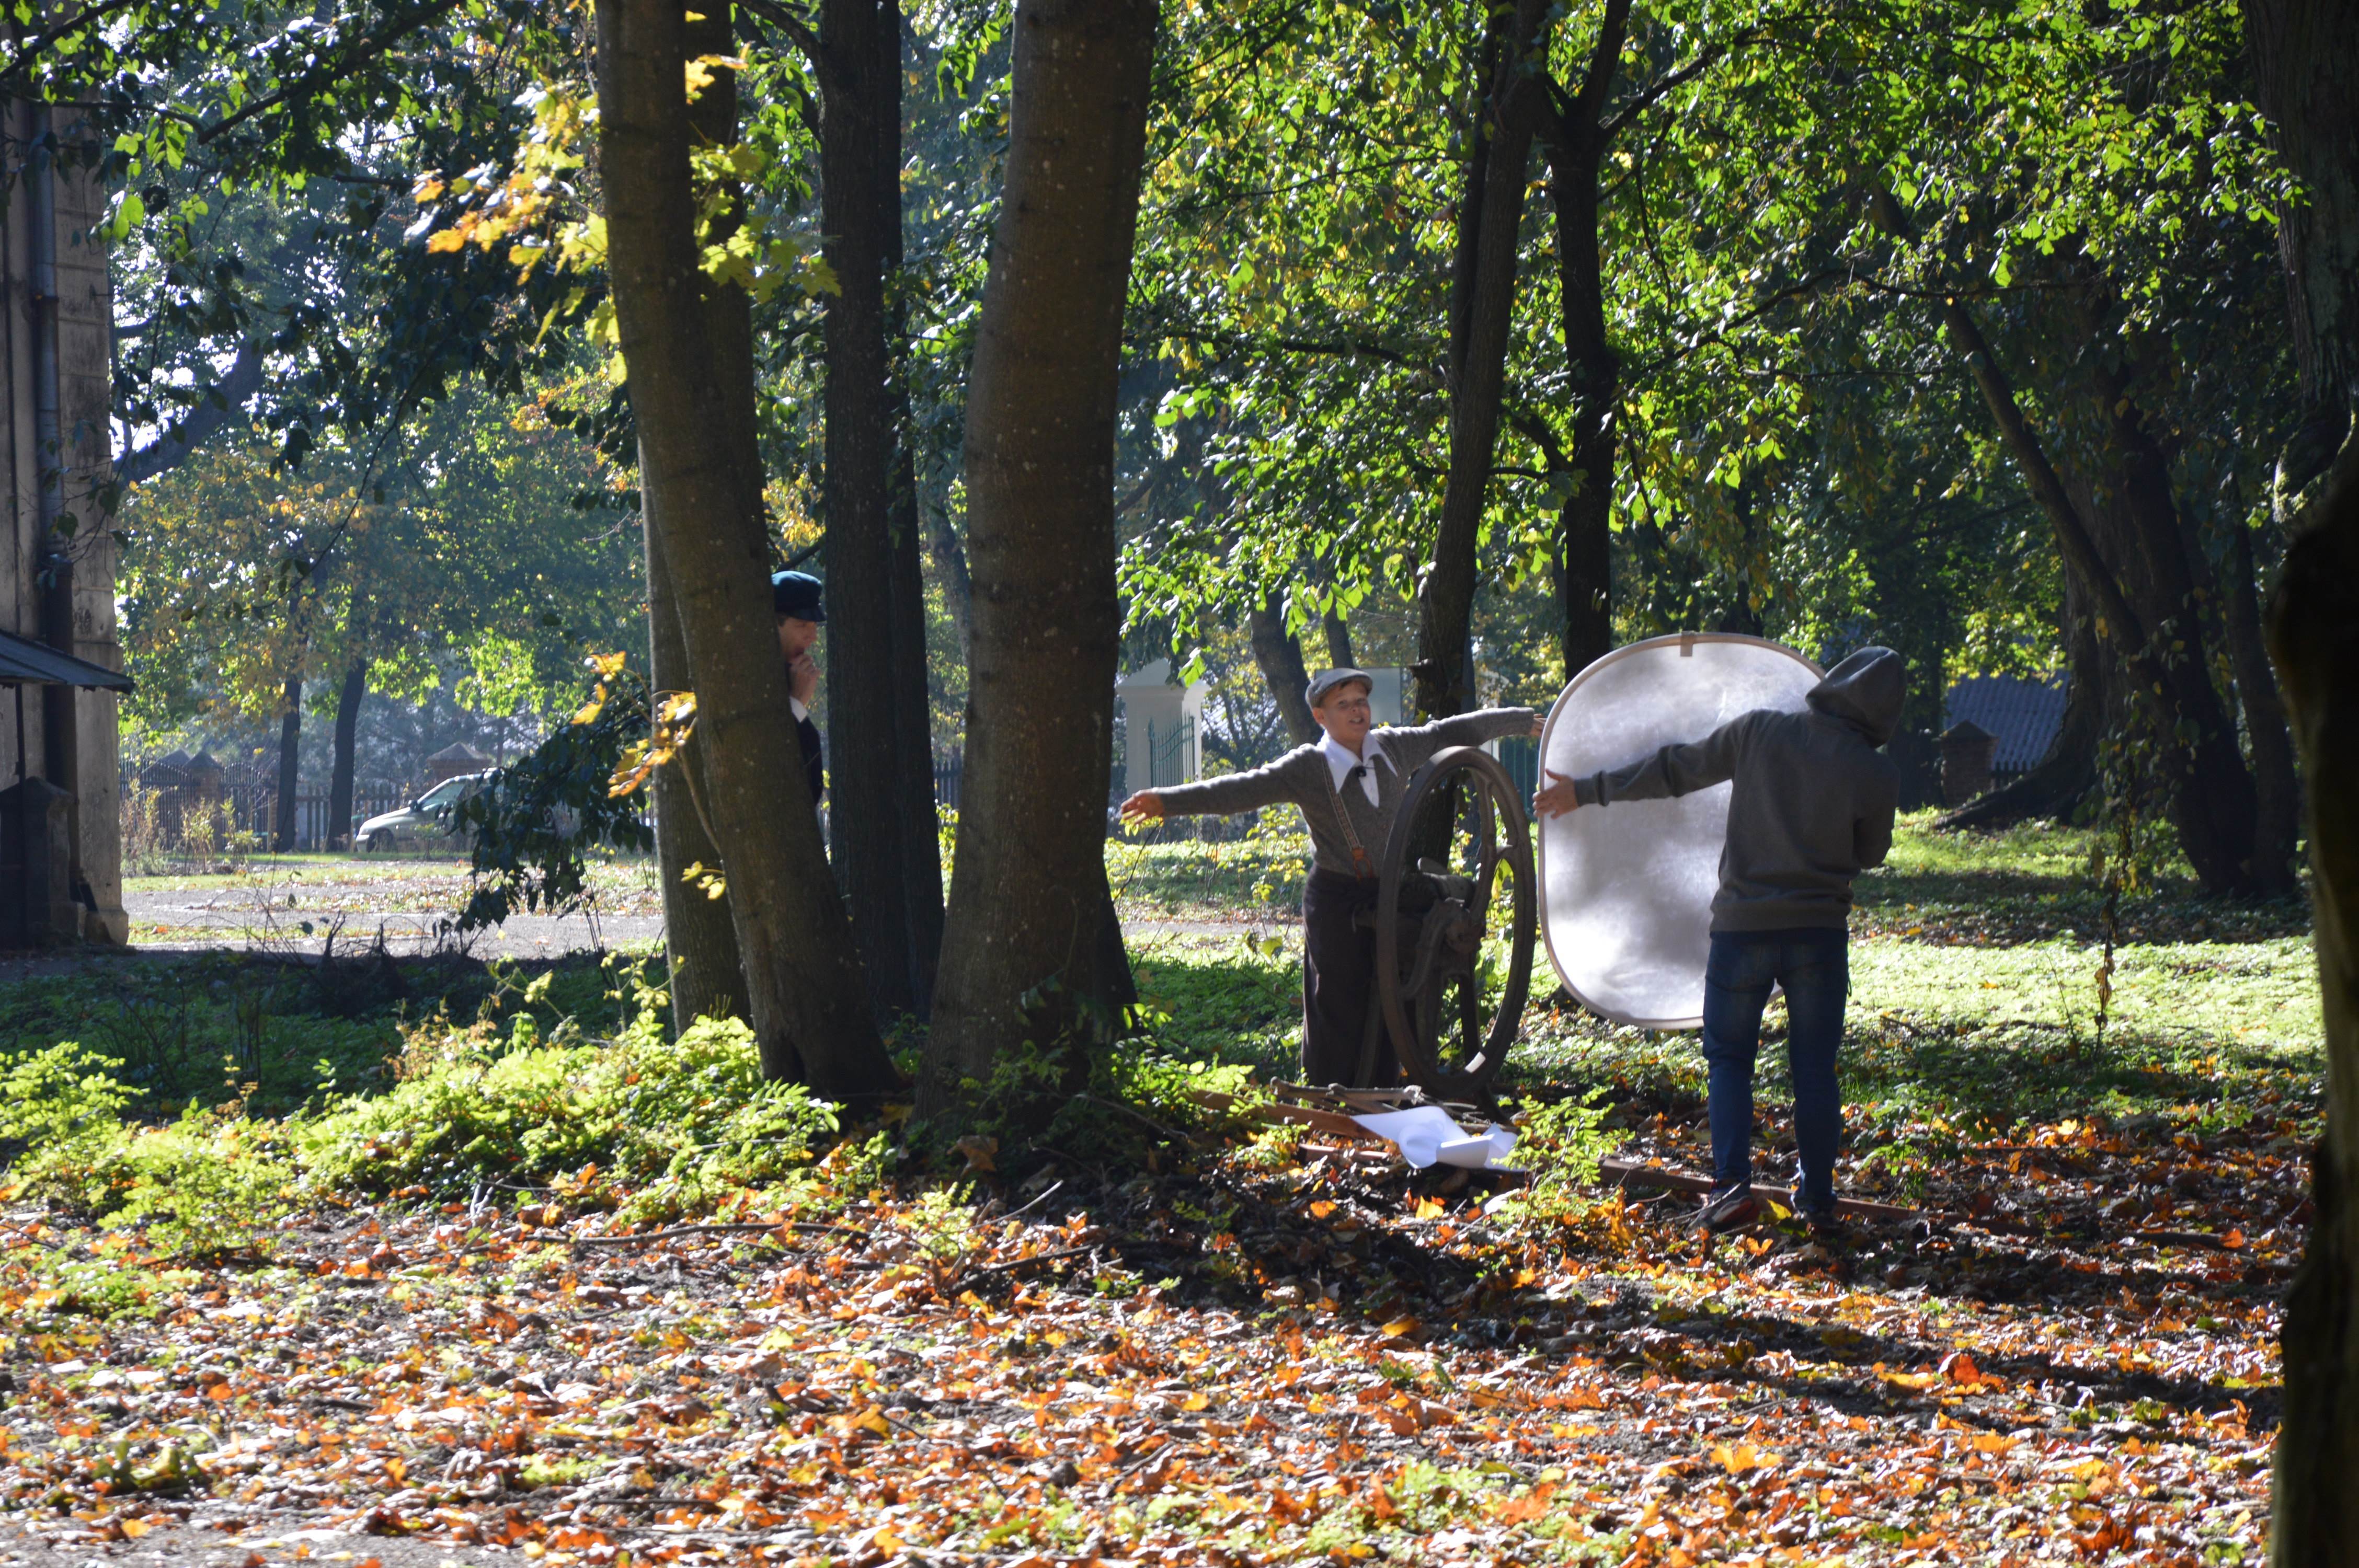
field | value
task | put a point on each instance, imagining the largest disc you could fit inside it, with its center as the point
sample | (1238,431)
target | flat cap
(797,594)
(1326,681)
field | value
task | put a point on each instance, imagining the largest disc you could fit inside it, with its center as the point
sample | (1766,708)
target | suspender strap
(1362,867)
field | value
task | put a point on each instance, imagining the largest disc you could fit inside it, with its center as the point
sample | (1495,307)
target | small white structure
(1388,694)
(1162,728)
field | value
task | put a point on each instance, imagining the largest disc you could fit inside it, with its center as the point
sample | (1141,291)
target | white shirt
(795,706)
(1340,762)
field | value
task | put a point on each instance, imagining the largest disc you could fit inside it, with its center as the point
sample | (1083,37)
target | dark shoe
(1827,1229)
(1729,1210)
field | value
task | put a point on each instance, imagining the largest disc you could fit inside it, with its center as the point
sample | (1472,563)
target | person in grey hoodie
(1811,808)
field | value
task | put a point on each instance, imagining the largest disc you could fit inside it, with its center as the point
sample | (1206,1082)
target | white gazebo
(1162,728)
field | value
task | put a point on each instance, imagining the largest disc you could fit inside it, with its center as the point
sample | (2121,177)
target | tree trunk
(339,771)
(699,937)
(913,703)
(1339,643)
(290,730)
(881,802)
(2196,768)
(2305,60)
(2277,784)
(1445,681)
(1466,250)
(1575,140)
(2314,638)
(807,997)
(1280,658)
(913,727)
(1028,936)
(2139,519)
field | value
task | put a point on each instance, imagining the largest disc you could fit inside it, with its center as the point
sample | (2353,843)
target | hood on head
(1865,692)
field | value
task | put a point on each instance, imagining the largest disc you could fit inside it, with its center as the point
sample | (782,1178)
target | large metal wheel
(1454,930)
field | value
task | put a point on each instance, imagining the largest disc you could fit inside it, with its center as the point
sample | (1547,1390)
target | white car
(430,815)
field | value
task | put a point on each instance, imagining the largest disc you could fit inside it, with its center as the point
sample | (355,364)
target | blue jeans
(1815,968)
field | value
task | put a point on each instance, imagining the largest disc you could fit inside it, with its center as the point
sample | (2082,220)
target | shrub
(696,1110)
(204,1186)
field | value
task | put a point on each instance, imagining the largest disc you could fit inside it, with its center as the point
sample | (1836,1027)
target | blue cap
(797,594)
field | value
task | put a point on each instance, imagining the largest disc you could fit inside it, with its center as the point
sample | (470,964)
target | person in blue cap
(796,597)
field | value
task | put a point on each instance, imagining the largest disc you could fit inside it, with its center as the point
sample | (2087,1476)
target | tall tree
(1280,657)
(1030,914)
(290,730)
(1483,307)
(2306,56)
(881,807)
(349,692)
(807,997)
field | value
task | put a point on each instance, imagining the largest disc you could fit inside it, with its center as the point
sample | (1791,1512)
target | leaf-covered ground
(1220,1368)
(1249,1352)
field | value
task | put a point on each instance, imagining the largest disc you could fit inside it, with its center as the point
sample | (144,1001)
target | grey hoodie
(1813,802)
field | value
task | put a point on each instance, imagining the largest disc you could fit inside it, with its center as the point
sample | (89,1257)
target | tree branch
(352,59)
(1709,56)
(180,440)
(806,41)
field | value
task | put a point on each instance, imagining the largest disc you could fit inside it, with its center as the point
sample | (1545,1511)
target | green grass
(200,1031)
(1258,876)
(1975,966)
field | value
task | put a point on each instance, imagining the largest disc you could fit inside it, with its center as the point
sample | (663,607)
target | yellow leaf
(1429,1208)
(1397,1327)
(1321,1209)
(1738,1457)
(588,712)
(1196,1401)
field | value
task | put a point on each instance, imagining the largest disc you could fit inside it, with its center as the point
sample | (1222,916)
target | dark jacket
(814,763)
(1813,802)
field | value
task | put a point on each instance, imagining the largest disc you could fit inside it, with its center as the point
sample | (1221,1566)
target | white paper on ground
(1427,1135)
(1490,1147)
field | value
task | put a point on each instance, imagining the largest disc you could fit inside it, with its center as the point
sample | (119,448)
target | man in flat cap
(1348,787)
(796,596)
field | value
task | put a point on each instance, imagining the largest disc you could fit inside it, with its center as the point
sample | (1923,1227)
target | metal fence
(1168,752)
(950,771)
(1520,756)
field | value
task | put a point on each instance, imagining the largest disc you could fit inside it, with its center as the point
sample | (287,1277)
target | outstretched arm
(1247,791)
(1480,728)
(1672,771)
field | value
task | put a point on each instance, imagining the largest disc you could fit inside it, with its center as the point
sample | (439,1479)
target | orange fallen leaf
(1736,1458)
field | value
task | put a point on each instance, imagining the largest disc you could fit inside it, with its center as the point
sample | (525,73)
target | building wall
(76,468)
